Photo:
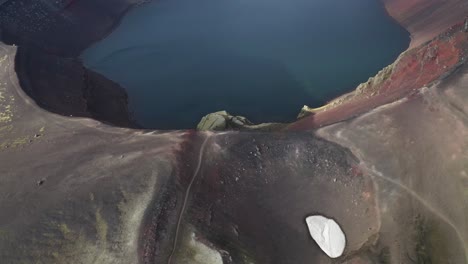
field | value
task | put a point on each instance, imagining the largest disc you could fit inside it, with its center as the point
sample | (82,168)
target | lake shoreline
(265,69)
(78,111)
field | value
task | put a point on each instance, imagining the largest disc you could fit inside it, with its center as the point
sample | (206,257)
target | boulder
(222,120)
(214,121)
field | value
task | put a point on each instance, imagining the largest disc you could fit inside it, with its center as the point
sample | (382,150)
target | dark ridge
(64,86)
(62,27)
(245,202)
(50,35)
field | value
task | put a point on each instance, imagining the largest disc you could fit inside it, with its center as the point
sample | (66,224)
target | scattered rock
(305,111)
(41,182)
(213,121)
(240,121)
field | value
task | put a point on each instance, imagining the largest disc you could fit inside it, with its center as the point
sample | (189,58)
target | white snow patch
(327,234)
(198,253)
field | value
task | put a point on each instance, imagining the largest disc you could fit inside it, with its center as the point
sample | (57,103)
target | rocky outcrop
(214,121)
(222,120)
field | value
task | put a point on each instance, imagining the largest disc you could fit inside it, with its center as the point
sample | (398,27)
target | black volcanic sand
(254,191)
(180,60)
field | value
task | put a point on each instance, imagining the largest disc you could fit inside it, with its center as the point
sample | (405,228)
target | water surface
(264,59)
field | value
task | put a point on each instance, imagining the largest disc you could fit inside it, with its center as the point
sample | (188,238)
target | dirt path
(187,194)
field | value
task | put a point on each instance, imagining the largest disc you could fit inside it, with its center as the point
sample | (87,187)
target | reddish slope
(413,70)
(426,19)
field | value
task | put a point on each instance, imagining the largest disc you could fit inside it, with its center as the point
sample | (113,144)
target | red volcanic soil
(426,19)
(414,69)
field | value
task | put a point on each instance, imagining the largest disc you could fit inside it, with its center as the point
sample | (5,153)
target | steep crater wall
(64,86)
(50,36)
(426,19)
(62,27)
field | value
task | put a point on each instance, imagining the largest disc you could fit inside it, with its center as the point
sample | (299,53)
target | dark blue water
(264,59)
